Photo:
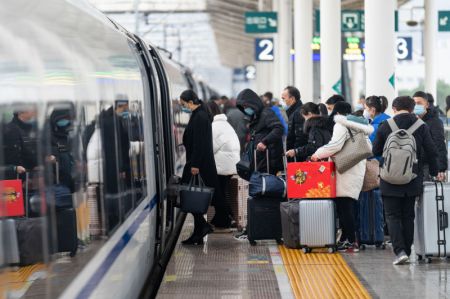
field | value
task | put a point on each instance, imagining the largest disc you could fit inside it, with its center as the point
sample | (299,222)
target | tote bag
(195,198)
(355,150)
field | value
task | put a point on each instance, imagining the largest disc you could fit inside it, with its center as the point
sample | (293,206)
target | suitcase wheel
(279,242)
(362,247)
(419,257)
(306,250)
(331,249)
(252,242)
(72,253)
(428,260)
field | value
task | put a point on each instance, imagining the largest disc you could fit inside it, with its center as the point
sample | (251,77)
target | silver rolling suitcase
(431,223)
(317,220)
(9,243)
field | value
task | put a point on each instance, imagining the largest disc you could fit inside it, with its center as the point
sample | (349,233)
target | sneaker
(401,259)
(242,236)
(343,245)
(352,248)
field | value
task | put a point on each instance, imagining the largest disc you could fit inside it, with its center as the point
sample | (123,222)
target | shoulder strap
(415,126)
(392,124)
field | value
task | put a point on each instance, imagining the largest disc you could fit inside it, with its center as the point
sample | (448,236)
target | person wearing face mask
(330,103)
(198,142)
(265,129)
(375,113)
(61,148)
(430,115)
(20,144)
(316,129)
(295,137)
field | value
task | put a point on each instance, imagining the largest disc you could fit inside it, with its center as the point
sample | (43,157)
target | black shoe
(206,229)
(193,240)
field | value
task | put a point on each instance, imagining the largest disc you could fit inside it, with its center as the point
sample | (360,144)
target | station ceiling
(226,18)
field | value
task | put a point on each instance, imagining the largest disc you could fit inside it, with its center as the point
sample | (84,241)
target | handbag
(355,149)
(372,175)
(265,184)
(194,198)
(244,166)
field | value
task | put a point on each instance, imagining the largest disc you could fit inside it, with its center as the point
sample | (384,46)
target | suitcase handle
(443,220)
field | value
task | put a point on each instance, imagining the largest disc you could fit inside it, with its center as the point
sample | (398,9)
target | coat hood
(317,122)
(355,123)
(248,98)
(220,117)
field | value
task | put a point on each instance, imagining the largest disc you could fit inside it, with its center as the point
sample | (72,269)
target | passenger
(323,109)
(267,98)
(374,112)
(330,103)
(430,115)
(237,120)
(399,200)
(198,142)
(226,154)
(266,129)
(116,148)
(20,144)
(270,101)
(295,137)
(316,127)
(276,103)
(60,125)
(447,106)
(349,183)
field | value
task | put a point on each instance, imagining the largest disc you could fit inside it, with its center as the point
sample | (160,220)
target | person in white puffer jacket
(227,149)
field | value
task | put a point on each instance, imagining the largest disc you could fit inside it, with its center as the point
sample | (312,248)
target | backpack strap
(415,126)
(392,124)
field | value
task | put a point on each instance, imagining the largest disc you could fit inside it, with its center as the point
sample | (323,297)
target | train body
(65,60)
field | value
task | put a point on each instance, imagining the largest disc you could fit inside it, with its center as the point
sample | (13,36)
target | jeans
(345,212)
(400,218)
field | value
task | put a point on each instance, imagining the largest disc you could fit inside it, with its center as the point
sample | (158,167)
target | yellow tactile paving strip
(18,280)
(321,275)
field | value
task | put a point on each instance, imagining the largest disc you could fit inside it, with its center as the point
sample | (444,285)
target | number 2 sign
(264,49)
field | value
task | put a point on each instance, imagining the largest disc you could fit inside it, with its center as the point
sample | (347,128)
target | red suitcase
(311,180)
(11,204)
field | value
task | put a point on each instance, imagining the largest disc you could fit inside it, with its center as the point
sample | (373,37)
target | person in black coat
(295,137)
(20,144)
(266,131)
(316,128)
(198,142)
(116,148)
(430,115)
(399,200)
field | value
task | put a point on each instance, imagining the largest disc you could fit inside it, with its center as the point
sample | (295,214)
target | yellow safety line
(321,275)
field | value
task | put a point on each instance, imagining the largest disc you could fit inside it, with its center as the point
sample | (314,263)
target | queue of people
(316,134)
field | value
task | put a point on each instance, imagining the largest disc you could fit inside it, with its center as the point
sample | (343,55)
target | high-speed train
(89,109)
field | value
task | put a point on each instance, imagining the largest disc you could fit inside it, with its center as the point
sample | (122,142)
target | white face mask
(366,114)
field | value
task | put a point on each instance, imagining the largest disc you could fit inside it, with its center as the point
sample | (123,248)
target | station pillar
(380,48)
(330,48)
(430,46)
(264,69)
(303,35)
(283,43)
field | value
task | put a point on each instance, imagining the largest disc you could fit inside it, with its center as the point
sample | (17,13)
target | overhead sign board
(261,22)
(444,21)
(250,72)
(264,49)
(351,21)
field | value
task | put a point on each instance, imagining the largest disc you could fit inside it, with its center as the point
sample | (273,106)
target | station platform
(226,268)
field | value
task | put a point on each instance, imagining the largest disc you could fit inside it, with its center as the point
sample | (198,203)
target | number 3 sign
(264,49)
(404,48)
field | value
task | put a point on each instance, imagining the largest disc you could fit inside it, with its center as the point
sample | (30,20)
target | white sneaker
(401,259)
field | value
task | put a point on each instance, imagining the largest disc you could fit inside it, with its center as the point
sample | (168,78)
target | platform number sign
(264,49)
(404,48)
(250,72)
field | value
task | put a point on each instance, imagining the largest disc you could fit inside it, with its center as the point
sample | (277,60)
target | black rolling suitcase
(290,223)
(263,219)
(30,236)
(66,226)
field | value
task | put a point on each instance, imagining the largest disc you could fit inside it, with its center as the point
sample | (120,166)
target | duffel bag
(264,184)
